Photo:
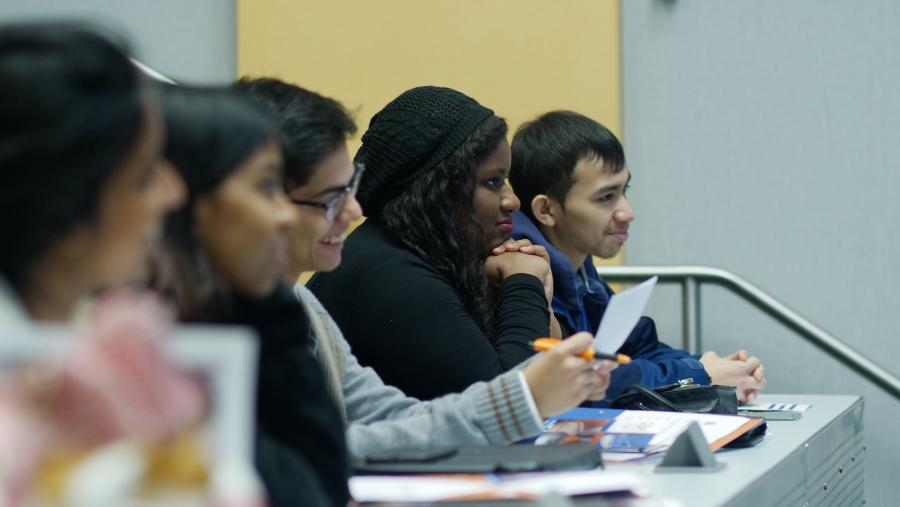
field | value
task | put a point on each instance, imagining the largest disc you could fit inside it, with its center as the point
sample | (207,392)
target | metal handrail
(691,277)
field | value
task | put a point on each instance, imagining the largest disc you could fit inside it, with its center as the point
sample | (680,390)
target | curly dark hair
(434,217)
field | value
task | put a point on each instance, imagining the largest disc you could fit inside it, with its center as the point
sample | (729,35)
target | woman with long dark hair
(83,188)
(225,250)
(424,295)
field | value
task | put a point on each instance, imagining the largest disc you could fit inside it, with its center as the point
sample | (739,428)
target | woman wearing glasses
(380,417)
(226,249)
(335,190)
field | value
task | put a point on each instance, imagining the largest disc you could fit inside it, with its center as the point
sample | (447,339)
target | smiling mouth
(333,240)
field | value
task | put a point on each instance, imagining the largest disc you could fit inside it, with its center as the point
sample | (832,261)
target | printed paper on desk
(658,429)
(622,313)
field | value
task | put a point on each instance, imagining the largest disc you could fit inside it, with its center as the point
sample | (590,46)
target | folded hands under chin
(501,263)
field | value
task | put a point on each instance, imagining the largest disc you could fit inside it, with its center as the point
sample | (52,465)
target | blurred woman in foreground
(83,186)
(226,248)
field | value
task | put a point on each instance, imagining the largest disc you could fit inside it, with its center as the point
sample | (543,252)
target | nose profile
(625,213)
(509,202)
(352,209)
(285,213)
(172,189)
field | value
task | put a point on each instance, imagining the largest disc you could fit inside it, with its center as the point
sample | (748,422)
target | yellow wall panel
(518,57)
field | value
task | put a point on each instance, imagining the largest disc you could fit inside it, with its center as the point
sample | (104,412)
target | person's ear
(544,210)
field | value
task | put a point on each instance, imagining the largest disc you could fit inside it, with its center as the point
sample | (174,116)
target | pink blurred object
(118,382)
(22,436)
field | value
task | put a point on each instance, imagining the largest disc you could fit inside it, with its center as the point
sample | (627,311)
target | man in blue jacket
(569,173)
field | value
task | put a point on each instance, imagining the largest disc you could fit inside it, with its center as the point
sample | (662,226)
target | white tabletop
(786,468)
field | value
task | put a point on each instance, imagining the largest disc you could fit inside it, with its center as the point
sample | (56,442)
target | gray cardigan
(380,417)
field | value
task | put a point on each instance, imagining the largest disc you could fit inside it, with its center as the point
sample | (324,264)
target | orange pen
(545,344)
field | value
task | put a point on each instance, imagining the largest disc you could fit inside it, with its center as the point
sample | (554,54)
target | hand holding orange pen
(545,344)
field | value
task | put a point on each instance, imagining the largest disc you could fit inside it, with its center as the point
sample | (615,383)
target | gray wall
(763,139)
(191,40)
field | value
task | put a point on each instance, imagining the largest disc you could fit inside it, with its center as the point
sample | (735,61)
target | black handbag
(683,396)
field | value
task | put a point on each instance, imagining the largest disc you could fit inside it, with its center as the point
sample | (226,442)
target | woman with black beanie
(423,295)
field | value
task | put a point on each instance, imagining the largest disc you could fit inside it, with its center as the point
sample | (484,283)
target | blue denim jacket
(579,300)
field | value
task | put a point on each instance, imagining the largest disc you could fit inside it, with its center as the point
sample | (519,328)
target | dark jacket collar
(278,318)
(568,299)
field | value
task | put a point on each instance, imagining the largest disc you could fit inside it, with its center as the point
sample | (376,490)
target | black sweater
(300,449)
(407,322)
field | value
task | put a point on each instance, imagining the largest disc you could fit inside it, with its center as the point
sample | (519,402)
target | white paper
(666,426)
(580,482)
(623,457)
(405,488)
(621,315)
(424,488)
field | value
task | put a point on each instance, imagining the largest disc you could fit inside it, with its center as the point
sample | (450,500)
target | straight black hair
(211,132)
(311,126)
(71,107)
(546,150)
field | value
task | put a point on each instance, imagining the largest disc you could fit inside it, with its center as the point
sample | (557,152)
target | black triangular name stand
(690,453)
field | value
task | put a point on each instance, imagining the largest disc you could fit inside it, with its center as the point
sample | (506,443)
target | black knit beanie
(410,136)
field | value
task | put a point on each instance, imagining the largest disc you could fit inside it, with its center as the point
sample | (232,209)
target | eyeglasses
(334,204)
